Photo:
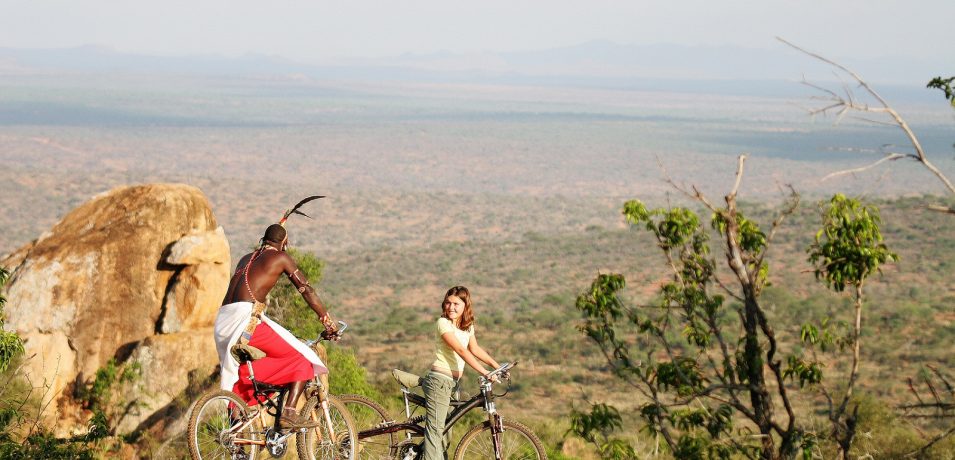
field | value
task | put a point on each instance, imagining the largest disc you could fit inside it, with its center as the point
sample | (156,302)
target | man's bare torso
(264,272)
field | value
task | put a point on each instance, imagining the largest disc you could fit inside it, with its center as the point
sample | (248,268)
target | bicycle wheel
(517,442)
(327,441)
(368,414)
(219,428)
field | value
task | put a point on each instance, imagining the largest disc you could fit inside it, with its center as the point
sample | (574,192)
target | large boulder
(170,366)
(125,266)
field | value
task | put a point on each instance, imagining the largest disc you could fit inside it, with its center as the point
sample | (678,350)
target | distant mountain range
(721,69)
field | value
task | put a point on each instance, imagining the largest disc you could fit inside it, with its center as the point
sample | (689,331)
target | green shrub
(11,345)
(346,375)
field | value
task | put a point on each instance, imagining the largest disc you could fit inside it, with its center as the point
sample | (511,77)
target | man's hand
(331,336)
(331,327)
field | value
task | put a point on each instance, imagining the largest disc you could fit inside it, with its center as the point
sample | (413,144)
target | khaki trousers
(438,389)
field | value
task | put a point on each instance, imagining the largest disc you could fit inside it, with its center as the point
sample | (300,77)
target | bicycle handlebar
(499,371)
(322,336)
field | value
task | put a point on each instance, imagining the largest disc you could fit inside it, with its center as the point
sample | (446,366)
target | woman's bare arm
(479,353)
(469,358)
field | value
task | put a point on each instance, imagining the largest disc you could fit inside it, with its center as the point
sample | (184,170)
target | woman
(455,345)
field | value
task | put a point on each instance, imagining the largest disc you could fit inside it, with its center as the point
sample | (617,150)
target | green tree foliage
(101,396)
(43,445)
(846,251)
(708,366)
(11,345)
(703,354)
(944,84)
(597,427)
(849,246)
(703,361)
(347,375)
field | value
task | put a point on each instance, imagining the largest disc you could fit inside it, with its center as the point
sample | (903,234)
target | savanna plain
(513,191)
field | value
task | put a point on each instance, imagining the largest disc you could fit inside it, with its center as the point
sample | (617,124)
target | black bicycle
(379,435)
(223,426)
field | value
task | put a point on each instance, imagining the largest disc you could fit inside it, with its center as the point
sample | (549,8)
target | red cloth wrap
(282,364)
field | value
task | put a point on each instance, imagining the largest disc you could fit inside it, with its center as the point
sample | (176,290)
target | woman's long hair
(467,316)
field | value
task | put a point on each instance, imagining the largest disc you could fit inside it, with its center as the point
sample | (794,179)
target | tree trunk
(759,394)
(843,422)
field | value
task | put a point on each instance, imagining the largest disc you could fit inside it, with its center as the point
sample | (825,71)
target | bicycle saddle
(243,353)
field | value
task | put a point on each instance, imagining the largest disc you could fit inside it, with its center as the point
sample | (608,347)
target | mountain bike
(379,435)
(223,426)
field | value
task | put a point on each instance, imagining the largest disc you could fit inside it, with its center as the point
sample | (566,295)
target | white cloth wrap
(231,322)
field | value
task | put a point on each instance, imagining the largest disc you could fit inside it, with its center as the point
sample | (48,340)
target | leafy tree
(847,249)
(944,84)
(710,370)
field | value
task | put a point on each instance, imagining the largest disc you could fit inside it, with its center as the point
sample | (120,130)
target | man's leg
(283,365)
(290,416)
(294,392)
(437,390)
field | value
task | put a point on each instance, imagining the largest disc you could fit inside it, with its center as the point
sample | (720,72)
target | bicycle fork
(497,426)
(319,391)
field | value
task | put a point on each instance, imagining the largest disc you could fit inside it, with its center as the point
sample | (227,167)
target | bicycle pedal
(385,424)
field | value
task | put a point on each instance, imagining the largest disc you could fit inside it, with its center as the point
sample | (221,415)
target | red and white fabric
(287,358)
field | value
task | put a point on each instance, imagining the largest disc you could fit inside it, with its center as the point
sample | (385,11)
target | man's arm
(300,282)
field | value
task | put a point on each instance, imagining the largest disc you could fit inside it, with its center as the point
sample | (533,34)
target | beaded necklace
(257,253)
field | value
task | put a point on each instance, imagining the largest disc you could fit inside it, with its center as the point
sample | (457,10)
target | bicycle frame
(414,427)
(265,404)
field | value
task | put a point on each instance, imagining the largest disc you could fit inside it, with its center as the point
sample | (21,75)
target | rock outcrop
(135,273)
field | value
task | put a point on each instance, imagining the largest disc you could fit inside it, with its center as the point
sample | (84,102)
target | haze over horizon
(364,32)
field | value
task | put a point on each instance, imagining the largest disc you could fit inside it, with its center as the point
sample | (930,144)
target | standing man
(242,319)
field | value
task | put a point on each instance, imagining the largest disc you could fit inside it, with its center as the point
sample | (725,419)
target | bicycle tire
(312,445)
(212,414)
(367,413)
(519,442)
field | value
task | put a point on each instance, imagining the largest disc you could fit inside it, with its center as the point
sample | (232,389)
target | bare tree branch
(939,208)
(890,157)
(919,452)
(914,391)
(739,174)
(948,385)
(694,195)
(848,103)
(875,122)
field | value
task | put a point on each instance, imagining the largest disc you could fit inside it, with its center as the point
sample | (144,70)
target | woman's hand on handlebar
(503,372)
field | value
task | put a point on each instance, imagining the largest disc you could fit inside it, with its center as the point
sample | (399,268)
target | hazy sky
(310,30)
